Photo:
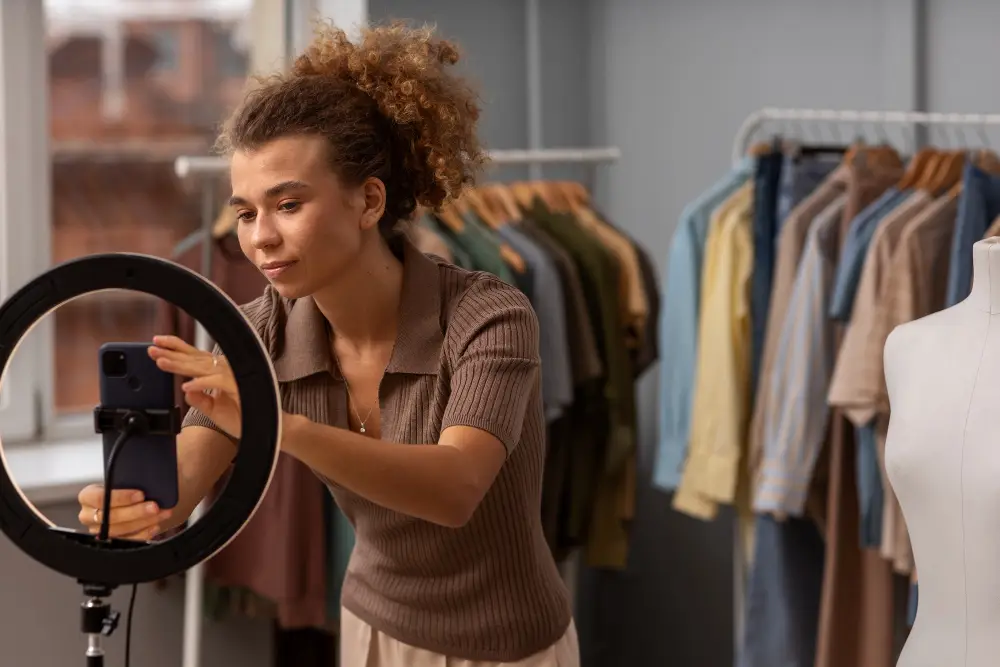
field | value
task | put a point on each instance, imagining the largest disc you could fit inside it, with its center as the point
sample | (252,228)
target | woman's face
(296,220)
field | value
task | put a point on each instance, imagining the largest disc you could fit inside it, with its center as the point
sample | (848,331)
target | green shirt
(599,275)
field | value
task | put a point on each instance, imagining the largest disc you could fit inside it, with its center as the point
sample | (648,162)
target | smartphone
(148,463)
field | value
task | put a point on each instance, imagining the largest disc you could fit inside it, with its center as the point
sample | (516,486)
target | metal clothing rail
(193,165)
(209,168)
(763,116)
(741,145)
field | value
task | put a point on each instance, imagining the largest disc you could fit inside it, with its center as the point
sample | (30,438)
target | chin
(290,290)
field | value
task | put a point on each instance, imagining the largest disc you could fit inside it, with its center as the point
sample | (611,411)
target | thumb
(200,401)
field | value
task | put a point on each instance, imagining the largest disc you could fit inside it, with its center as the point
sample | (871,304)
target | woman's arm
(442,483)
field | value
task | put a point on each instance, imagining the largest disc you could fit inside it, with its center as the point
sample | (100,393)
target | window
(113,93)
(97,98)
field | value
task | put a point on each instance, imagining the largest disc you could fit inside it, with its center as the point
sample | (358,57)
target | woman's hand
(212,388)
(131,518)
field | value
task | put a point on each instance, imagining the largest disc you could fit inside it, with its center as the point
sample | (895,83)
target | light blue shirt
(679,325)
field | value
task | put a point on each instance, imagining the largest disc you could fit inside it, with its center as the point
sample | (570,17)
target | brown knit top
(466,354)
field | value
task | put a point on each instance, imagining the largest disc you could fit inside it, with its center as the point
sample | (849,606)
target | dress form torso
(943,462)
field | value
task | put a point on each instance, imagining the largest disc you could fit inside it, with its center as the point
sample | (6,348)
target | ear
(373,193)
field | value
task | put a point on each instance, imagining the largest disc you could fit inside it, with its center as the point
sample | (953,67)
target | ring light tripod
(99,565)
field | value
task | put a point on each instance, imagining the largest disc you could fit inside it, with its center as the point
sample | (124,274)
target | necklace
(350,396)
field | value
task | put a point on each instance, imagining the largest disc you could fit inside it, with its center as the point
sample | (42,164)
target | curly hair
(386,105)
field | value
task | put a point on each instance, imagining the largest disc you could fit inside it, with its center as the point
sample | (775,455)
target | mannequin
(943,462)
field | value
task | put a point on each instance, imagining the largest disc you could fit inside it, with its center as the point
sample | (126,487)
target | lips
(275,269)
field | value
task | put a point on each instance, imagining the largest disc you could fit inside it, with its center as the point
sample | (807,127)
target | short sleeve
(493,343)
(260,314)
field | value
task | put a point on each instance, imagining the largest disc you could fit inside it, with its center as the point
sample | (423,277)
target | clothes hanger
(987,160)
(948,172)
(507,201)
(450,217)
(493,204)
(474,200)
(926,177)
(523,193)
(916,167)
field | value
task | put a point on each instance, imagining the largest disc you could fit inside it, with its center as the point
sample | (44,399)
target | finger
(146,535)
(187,366)
(127,528)
(174,343)
(119,515)
(222,383)
(200,401)
(93,496)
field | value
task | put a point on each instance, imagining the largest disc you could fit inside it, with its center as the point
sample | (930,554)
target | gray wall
(40,625)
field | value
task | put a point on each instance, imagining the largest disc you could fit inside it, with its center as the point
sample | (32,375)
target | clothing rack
(745,135)
(759,118)
(209,168)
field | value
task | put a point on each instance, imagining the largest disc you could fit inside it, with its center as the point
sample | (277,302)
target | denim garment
(783,594)
(800,175)
(978,206)
(767,181)
(852,256)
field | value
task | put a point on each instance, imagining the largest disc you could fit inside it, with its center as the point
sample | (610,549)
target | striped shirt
(466,353)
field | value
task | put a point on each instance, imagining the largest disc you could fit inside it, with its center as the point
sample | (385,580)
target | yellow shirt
(721,401)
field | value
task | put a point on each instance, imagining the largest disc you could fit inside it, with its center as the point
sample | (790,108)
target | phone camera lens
(114,364)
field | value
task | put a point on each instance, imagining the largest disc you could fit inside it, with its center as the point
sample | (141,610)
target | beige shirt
(858,370)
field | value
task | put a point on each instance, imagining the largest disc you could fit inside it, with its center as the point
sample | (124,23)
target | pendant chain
(350,396)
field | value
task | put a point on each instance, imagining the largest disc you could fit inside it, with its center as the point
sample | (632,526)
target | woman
(409,385)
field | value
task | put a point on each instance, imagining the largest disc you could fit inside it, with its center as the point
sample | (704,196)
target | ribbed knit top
(466,354)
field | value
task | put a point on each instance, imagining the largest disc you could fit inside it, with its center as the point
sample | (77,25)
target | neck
(986,276)
(363,307)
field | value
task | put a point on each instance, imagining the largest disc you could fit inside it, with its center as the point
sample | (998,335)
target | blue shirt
(978,205)
(679,325)
(852,257)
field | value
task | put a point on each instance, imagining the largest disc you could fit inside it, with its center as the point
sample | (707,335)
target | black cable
(109,469)
(130,426)
(128,625)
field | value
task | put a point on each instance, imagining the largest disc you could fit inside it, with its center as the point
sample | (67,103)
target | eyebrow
(271,192)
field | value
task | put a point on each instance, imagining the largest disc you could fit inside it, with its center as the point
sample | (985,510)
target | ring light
(104,565)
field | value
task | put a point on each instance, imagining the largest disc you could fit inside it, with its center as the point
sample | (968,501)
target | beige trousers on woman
(363,646)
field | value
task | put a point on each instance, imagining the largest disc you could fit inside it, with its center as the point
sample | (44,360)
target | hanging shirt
(548,302)
(721,399)
(796,424)
(845,284)
(979,205)
(791,240)
(679,326)
(795,427)
(915,288)
(767,180)
(801,175)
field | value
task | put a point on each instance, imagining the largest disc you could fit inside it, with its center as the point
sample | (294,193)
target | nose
(265,233)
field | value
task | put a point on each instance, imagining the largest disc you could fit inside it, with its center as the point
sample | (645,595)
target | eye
(289,206)
(244,215)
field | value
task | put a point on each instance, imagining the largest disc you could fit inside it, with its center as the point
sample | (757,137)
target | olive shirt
(466,353)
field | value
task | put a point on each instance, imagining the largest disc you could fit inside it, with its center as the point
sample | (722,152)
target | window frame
(24,244)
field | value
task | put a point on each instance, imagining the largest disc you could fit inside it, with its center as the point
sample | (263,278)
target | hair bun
(431,111)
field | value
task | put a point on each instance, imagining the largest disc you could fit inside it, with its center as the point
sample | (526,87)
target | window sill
(54,472)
